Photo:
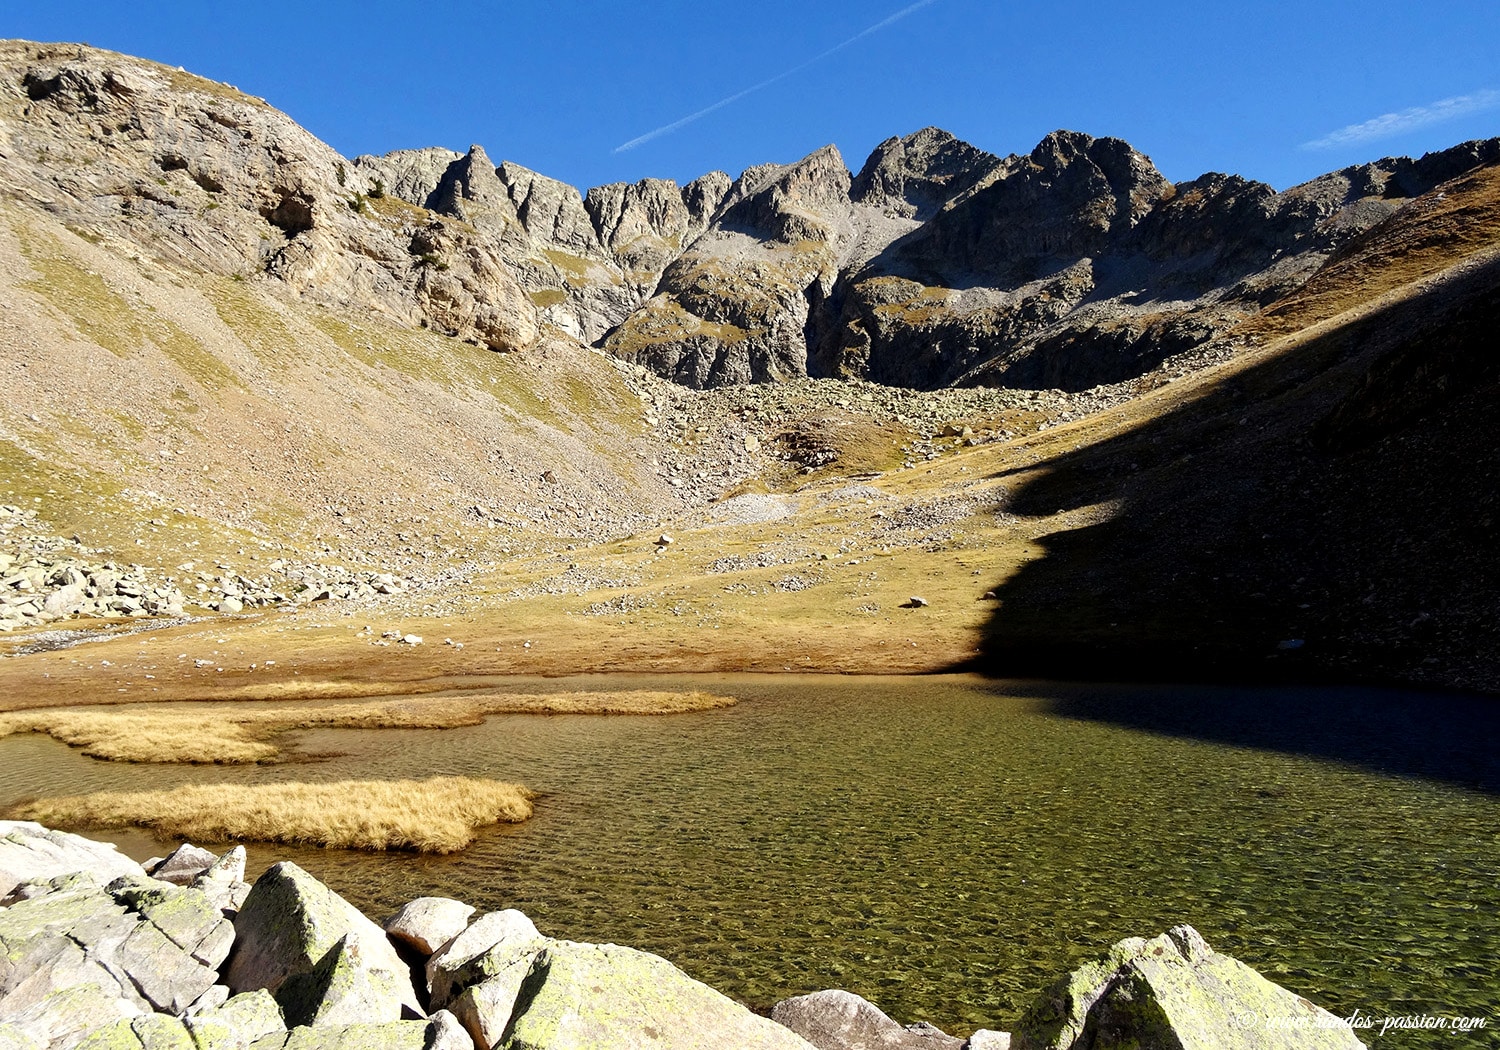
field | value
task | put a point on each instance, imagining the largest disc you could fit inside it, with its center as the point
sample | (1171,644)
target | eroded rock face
(1174,992)
(1080,265)
(216,181)
(734,307)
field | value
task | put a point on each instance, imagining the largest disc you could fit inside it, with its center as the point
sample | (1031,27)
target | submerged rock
(1174,992)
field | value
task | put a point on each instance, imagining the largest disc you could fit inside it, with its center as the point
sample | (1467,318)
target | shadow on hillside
(1331,515)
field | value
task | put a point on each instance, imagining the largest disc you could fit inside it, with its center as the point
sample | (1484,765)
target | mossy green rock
(14,1037)
(604,997)
(395,1035)
(289,925)
(1174,992)
(152,1032)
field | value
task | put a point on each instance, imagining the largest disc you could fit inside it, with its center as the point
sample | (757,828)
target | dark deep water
(947,846)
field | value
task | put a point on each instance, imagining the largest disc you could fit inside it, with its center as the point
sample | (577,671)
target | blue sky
(1275,91)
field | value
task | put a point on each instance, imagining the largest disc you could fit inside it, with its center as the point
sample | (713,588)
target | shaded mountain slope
(1329,509)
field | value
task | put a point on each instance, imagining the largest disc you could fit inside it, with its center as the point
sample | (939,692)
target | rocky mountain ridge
(938,264)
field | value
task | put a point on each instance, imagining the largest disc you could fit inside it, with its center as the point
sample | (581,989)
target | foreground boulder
(75,956)
(1174,992)
(428,923)
(30,852)
(309,947)
(840,1020)
(605,997)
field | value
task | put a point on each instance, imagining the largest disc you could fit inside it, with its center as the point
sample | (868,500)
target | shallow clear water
(947,846)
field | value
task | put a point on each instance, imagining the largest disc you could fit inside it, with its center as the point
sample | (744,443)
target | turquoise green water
(947,847)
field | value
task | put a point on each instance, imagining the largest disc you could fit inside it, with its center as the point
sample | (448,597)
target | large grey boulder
(498,946)
(428,923)
(1174,992)
(605,997)
(291,922)
(80,956)
(29,852)
(840,1020)
(342,990)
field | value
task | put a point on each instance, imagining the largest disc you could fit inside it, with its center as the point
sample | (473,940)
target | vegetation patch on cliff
(437,815)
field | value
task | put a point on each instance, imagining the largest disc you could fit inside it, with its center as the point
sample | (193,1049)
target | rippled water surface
(947,846)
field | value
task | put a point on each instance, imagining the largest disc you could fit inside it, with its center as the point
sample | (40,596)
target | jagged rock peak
(622,212)
(550,210)
(914,176)
(794,202)
(410,174)
(472,177)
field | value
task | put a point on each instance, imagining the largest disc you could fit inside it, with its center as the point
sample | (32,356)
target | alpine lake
(948,846)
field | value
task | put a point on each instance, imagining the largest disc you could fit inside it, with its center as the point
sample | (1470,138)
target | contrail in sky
(1408,120)
(667,129)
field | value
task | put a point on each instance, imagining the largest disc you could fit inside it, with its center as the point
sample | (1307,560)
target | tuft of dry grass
(231,733)
(439,815)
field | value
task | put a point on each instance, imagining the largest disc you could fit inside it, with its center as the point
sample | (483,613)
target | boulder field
(100,953)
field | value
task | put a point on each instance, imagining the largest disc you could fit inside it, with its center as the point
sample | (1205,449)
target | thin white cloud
(667,129)
(1391,124)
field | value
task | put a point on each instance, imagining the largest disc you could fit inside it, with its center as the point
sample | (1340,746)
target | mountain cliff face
(214,180)
(939,264)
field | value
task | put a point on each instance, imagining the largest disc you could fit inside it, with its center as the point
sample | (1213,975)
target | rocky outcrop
(585,262)
(213,180)
(734,307)
(1174,992)
(1080,265)
(135,962)
(840,1020)
(1075,266)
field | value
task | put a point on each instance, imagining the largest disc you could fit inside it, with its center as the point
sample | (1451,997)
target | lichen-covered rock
(30,852)
(604,997)
(152,1032)
(1174,992)
(14,1037)
(343,990)
(185,916)
(490,948)
(392,1035)
(428,923)
(237,1023)
(838,1020)
(290,922)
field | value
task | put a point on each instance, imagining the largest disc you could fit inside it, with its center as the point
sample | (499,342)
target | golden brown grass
(439,815)
(240,733)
